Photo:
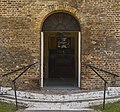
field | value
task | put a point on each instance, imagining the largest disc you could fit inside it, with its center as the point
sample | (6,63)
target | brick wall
(20,25)
(101,38)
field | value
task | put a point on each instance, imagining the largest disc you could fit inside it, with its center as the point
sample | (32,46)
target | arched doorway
(60,51)
(60,22)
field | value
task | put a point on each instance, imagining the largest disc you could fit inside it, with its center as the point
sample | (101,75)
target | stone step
(111,92)
(43,101)
(60,102)
(59,105)
(62,110)
(59,111)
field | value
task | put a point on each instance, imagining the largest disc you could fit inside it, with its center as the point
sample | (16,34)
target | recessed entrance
(60,65)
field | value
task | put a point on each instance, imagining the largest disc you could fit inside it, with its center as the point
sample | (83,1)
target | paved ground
(60,91)
(62,111)
(22,110)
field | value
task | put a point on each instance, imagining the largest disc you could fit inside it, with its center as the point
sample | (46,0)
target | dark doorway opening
(61,58)
(61,50)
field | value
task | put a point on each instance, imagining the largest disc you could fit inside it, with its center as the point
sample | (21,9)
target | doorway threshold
(67,83)
(61,87)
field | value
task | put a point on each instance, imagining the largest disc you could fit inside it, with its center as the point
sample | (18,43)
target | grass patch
(111,107)
(6,107)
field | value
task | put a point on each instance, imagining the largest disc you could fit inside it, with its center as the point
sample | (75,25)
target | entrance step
(64,110)
(53,105)
(48,101)
(68,97)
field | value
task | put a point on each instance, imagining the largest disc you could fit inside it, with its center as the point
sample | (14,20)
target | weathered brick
(20,25)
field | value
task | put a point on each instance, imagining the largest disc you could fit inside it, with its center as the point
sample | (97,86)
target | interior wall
(50,40)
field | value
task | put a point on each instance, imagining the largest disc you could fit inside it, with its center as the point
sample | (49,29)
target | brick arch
(54,9)
(61,21)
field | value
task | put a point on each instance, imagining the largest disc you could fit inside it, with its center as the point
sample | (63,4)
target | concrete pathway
(82,110)
(20,110)
(61,111)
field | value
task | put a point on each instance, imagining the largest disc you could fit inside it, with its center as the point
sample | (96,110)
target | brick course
(21,22)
